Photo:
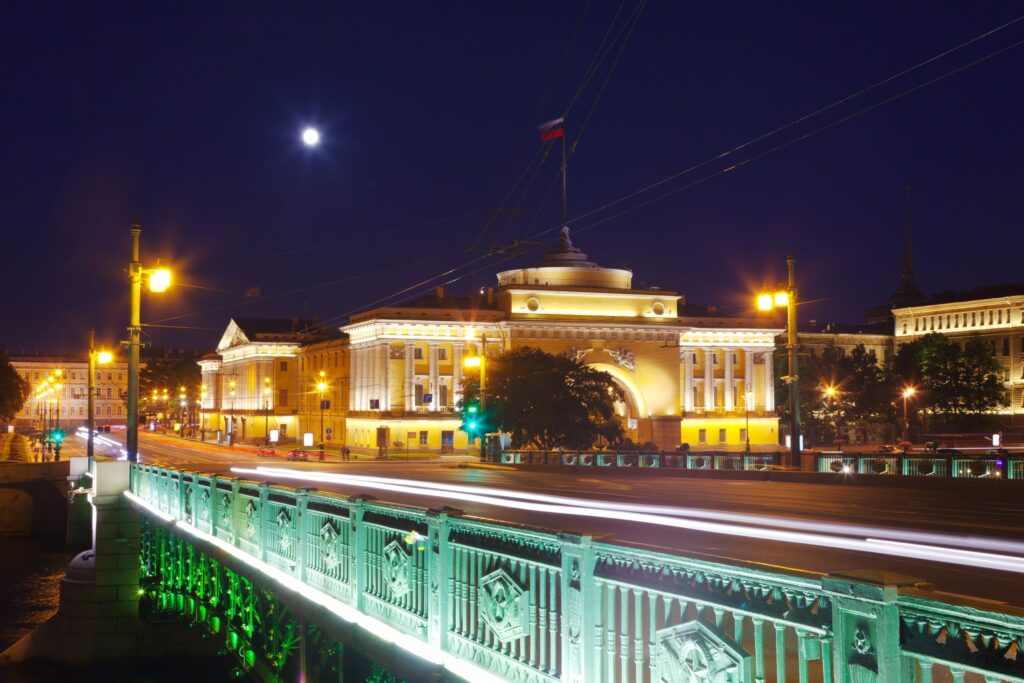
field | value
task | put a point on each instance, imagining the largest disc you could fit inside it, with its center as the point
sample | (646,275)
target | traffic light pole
(794,379)
(483,395)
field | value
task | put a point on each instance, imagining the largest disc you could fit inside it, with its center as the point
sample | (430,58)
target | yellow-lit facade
(696,380)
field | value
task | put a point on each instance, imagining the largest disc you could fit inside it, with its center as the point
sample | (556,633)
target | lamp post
(202,414)
(788,298)
(748,400)
(907,393)
(101,358)
(321,387)
(231,423)
(159,281)
(830,400)
(266,408)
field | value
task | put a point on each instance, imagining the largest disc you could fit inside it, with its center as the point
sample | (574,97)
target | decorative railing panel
(536,606)
(1003,466)
(700,460)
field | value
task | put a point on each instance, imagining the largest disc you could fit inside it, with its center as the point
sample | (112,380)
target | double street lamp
(787,298)
(907,394)
(95,358)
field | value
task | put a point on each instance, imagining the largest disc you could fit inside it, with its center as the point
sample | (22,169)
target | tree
(955,382)
(14,390)
(544,401)
(169,374)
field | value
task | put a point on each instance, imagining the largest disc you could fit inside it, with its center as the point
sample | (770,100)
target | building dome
(565,265)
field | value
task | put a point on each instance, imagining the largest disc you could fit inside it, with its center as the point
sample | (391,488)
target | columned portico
(709,379)
(728,391)
(687,356)
(769,381)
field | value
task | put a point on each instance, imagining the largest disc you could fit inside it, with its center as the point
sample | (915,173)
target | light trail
(856,530)
(906,550)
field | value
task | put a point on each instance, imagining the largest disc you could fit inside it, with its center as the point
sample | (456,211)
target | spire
(908,266)
(907,293)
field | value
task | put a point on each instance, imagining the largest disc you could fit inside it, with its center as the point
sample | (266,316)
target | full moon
(311,137)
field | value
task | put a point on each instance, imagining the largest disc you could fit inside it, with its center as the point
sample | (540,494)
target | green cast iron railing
(924,465)
(538,606)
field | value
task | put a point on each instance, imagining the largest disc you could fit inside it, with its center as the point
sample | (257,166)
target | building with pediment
(687,374)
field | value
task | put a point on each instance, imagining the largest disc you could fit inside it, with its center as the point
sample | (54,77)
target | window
(374,404)
(109,392)
(423,439)
(417,353)
(743,435)
(904,328)
(284,366)
(120,377)
(443,396)
(714,358)
(442,353)
(702,436)
(419,394)
(974,319)
(119,408)
(1006,346)
(108,410)
(721,436)
(999,318)
(35,375)
(734,359)
(282,397)
(110,377)
(990,315)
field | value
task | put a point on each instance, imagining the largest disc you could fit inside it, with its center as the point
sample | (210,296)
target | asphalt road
(921,506)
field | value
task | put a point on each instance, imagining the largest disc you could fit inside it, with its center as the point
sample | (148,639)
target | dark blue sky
(186,116)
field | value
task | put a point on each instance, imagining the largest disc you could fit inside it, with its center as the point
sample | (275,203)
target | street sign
(307,439)
(329,430)
(274,435)
(428,398)
(325,404)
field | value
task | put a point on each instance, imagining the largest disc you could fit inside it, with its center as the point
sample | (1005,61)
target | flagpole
(565,206)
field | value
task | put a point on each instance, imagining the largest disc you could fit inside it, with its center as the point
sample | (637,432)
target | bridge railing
(1003,466)
(702,460)
(534,605)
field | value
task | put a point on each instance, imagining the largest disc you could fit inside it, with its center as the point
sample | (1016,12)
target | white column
(457,374)
(434,383)
(351,379)
(748,378)
(385,399)
(727,394)
(709,379)
(688,379)
(410,388)
(365,378)
(769,381)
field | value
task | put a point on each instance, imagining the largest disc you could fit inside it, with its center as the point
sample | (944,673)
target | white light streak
(602,510)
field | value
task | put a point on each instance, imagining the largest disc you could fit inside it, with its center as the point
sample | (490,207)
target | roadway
(632,510)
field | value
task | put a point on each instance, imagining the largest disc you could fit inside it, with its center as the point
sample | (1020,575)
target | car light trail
(904,550)
(857,530)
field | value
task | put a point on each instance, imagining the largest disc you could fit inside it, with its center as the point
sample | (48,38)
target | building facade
(877,339)
(71,400)
(252,380)
(996,316)
(687,377)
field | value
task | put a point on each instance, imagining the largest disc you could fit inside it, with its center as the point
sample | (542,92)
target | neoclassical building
(687,375)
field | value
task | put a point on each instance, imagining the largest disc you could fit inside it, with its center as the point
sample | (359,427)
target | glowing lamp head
(909,391)
(764,302)
(471,361)
(781,299)
(59,372)
(472,425)
(104,357)
(310,137)
(830,391)
(321,386)
(160,280)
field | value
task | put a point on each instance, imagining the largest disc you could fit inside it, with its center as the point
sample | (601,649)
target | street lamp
(788,298)
(231,424)
(159,281)
(748,400)
(95,358)
(321,387)
(266,408)
(907,393)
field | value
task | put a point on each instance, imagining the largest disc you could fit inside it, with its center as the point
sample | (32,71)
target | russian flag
(552,130)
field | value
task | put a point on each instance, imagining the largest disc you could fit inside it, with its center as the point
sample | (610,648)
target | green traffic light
(471,409)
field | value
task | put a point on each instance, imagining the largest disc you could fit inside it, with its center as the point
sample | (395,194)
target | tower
(907,292)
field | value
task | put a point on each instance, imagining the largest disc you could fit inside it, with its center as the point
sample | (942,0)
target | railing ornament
(503,606)
(397,569)
(697,652)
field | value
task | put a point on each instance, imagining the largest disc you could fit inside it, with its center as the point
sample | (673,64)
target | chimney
(439,292)
(490,295)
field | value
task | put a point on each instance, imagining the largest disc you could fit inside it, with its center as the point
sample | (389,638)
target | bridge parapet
(532,605)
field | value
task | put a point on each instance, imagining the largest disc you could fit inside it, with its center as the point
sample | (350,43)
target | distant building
(907,292)
(876,339)
(995,314)
(71,400)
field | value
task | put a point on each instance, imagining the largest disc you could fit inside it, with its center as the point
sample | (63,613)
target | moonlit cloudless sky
(188,118)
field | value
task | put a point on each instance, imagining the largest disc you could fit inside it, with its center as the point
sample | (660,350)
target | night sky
(186,118)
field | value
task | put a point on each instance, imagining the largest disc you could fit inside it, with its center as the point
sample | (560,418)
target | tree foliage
(953,380)
(14,390)
(169,374)
(545,401)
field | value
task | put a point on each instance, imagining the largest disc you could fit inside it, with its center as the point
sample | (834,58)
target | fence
(537,606)
(924,465)
(703,460)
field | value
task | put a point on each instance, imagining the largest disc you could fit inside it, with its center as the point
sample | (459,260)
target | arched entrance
(632,408)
